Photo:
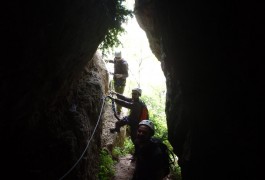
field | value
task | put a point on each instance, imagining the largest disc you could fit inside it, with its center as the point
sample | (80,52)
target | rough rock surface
(49,101)
(212,56)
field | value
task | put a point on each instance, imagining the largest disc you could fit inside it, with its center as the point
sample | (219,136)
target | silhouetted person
(119,76)
(150,159)
(138,112)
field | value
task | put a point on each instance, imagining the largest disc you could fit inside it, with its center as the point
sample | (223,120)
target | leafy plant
(128,148)
(106,169)
(121,15)
(157,114)
(176,173)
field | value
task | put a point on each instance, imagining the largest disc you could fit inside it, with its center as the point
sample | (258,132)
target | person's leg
(118,125)
(119,89)
(133,138)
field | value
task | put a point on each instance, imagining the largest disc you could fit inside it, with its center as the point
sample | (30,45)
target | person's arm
(123,103)
(109,61)
(122,97)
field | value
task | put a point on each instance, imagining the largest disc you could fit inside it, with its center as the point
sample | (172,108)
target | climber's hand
(112,93)
(110,97)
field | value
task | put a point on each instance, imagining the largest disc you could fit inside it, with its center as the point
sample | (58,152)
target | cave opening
(213,63)
(145,72)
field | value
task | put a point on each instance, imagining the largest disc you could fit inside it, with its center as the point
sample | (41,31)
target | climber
(152,157)
(138,112)
(119,76)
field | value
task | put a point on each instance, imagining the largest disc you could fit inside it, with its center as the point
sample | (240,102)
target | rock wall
(212,55)
(50,90)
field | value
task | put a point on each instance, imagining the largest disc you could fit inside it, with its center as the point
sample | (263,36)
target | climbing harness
(99,117)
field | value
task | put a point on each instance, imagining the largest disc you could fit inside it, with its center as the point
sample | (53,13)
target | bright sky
(136,49)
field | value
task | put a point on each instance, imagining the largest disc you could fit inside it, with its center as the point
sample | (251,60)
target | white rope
(103,103)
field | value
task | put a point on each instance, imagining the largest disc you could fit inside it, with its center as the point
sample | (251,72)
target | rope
(114,110)
(87,143)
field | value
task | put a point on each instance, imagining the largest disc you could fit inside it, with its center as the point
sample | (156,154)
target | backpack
(144,114)
(121,67)
(168,156)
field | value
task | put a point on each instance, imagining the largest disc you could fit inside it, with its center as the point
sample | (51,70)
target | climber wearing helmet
(138,111)
(120,74)
(150,158)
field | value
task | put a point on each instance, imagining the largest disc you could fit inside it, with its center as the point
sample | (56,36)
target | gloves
(110,97)
(113,93)
(109,61)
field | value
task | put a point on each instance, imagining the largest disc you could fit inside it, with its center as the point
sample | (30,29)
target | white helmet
(138,90)
(148,123)
(118,54)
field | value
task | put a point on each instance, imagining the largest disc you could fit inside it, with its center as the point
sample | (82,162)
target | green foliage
(155,102)
(176,173)
(128,148)
(121,15)
(157,114)
(106,169)
(156,106)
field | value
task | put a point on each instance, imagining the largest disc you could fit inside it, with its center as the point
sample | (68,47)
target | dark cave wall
(64,130)
(46,45)
(212,57)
